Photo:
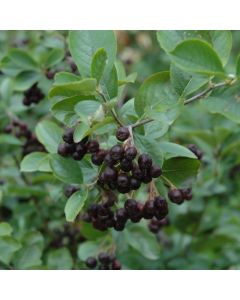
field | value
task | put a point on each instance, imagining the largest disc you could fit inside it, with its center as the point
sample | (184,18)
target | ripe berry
(123,181)
(119,226)
(153,228)
(155,171)
(63,150)
(175,196)
(137,173)
(126,165)
(91,262)
(104,258)
(195,150)
(98,158)
(50,74)
(121,215)
(116,265)
(109,161)
(69,190)
(93,146)
(144,161)
(149,209)
(161,205)
(116,152)
(131,206)
(135,183)
(130,153)
(110,174)
(122,134)
(68,135)
(187,193)
(146,177)
(77,155)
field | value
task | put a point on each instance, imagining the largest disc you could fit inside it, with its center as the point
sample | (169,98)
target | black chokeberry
(121,215)
(68,135)
(69,190)
(126,165)
(137,173)
(187,193)
(116,152)
(63,150)
(110,174)
(195,150)
(135,183)
(175,196)
(155,171)
(104,258)
(109,161)
(93,210)
(98,158)
(78,155)
(92,146)
(91,262)
(131,206)
(118,226)
(149,209)
(123,181)
(144,161)
(130,153)
(116,265)
(122,134)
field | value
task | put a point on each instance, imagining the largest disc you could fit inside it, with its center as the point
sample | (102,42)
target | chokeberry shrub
(109,162)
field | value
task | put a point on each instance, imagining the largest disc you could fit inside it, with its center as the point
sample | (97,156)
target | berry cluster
(21,130)
(156,225)
(103,217)
(106,262)
(76,150)
(195,150)
(33,95)
(179,195)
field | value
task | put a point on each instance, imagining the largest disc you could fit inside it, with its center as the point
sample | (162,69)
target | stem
(168,182)
(112,110)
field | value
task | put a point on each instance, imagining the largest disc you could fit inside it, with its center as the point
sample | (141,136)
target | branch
(113,112)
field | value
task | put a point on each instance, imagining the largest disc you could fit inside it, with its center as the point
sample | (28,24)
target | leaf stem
(168,182)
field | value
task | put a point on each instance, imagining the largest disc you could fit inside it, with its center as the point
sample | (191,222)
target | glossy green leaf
(155,90)
(109,84)
(80,132)
(98,64)
(60,259)
(74,204)
(174,150)
(197,56)
(36,161)
(53,57)
(49,134)
(83,44)
(25,80)
(66,169)
(180,169)
(65,77)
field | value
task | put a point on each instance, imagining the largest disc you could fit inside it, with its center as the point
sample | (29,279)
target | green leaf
(49,134)
(83,44)
(109,83)
(197,56)
(22,59)
(66,169)
(74,205)
(10,140)
(184,83)
(25,80)
(155,90)
(238,66)
(85,87)
(65,77)
(8,246)
(174,150)
(147,246)
(222,43)
(224,101)
(86,249)
(180,169)
(87,109)
(60,259)
(151,147)
(5,229)
(28,257)
(98,64)
(80,132)
(54,57)
(36,161)
(131,78)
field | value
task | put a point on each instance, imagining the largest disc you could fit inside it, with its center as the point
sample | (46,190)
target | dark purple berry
(69,190)
(68,135)
(126,165)
(149,209)
(98,158)
(91,262)
(175,196)
(109,161)
(153,228)
(116,152)
(77,155)
(121,215)
(135,183)
(144,161)
(123,181)
(63,150)
(130,153)
(137,173)
(92,146)
(187,193)
(110,174)
(155,171)
(104,258)
(119,226)
(8,128)
(116,265)
(131,206)
(122,134)
(123,190)
(195,150)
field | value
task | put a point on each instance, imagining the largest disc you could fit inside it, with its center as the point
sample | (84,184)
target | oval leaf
(74,205)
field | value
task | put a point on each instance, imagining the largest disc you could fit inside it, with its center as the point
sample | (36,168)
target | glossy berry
(104,258)
(123,181)
(77,155)
(119,226)
(116,265)
(109,161)
(149,209)
(123,190)
(121,215)
(144,161)
(63,150)
(187,193)
(131,206)
(130,153)
(93,146)
(126,165)
(98,158)
(155,171)
(137,173)
(91,262)
(175,196)
(154,228)
(116,152)
(135,183)
(122,134)
(110,174)
(50,74)
(93,210)
(68,135)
